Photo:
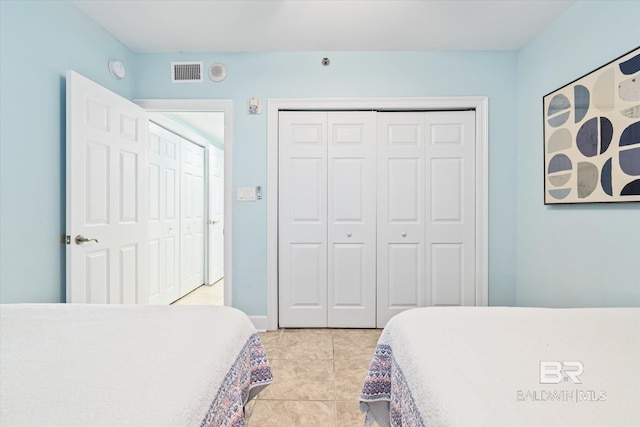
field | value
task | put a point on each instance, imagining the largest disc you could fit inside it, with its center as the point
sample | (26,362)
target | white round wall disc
(217,72)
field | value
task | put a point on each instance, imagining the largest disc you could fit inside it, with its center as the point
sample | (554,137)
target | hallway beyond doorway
(204,295)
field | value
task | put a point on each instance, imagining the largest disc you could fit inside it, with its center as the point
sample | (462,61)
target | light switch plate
(246,194)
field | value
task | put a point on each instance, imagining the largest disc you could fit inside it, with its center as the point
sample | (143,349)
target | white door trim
(478,103)
(210,105)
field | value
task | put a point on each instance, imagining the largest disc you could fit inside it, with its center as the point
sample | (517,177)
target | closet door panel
(403,195)
(403,269)
(446,273)
(191,216)
(302,223)
(163,226)
(348,278)
(450,257)
(351,219)
(306,261)
(401,214)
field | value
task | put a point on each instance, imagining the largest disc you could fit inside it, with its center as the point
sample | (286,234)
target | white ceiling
(209,125)
(153,26)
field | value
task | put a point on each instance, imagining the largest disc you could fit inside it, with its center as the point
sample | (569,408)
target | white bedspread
(116,365)
(481,366)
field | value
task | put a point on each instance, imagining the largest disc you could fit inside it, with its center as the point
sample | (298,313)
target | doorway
(212,122)
(108,196)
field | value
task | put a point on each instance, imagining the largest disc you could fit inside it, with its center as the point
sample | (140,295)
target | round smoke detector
(217,72)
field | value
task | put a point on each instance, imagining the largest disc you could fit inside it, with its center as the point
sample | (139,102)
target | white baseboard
(259,322)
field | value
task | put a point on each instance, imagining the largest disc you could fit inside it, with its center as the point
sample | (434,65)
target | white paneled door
(303,220)
(351,212)
(164,221)
(426,211)
(327,219)
(106,184)
(377,215)
(192,210)
(450,214)
(401,216)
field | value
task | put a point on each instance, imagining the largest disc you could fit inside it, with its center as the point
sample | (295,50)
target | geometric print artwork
(592,136)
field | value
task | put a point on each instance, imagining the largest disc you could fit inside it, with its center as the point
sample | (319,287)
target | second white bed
(497,366)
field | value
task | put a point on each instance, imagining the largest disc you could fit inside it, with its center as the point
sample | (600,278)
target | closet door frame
(480,104)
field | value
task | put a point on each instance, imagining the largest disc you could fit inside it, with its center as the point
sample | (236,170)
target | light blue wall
(575,255)
(301,75)
(39,40)
(538,255)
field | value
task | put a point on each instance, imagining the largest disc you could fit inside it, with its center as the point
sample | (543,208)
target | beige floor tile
(348,414)
(357,332)
(307,331)
(204,295)
(350,343)
(286,413)
(300,380)
(356,339)
(270,337)
(248,409)
(351,350)
(302,346)
(318,377)
(349,377)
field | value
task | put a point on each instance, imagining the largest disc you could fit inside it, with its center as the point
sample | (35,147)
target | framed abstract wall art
(592,136)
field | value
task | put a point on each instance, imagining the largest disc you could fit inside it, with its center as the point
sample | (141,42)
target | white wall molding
(478,103)
(259,322)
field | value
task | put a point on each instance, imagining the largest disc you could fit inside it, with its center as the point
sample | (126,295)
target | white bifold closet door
(426,211)
(164,220)
(401,213)
(327,222)
(192,217)
(376,215)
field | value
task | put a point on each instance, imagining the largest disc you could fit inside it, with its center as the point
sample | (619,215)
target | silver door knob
(404,234)
(348,234)
(80,239)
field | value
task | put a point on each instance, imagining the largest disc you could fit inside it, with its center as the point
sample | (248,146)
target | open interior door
(106,210)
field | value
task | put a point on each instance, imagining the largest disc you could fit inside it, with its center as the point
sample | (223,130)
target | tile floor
(204,295)
(318,375)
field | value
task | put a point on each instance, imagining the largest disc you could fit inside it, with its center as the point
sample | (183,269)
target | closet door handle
(404,234)
(348,234)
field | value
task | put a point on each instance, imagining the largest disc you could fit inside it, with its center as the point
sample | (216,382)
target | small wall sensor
(326,62)
(116,68)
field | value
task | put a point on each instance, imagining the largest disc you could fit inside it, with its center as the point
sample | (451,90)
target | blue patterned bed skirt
(249,374)
(386,398)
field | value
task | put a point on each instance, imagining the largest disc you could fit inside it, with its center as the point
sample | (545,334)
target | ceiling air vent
(186,72)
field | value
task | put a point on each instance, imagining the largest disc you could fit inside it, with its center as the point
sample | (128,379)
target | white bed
(498,366)
(117,365)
